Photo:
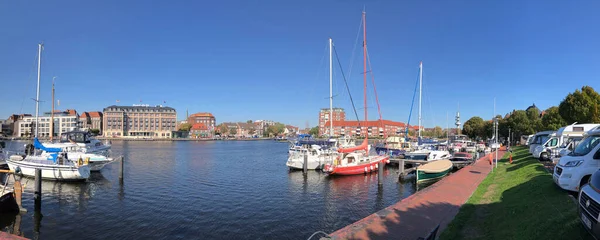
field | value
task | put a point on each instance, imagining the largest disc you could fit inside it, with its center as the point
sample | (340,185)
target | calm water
(204,190)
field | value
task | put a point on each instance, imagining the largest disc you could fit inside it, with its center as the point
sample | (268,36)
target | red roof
(199,126)
(202,114)
(95,114)
(72,112)
(85,115)
(376,123)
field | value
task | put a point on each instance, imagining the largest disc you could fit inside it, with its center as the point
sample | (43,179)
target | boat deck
(418,215)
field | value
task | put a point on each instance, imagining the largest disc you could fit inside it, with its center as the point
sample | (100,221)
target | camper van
(539,139)
(574,169)
(563,135)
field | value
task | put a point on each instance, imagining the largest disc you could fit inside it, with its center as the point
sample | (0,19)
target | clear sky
(263,59)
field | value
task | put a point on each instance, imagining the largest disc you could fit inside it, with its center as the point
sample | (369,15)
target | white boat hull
(51,172)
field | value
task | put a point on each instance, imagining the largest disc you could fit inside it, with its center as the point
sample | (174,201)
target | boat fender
(366,170)
(371,167)
(377,166)
(18,170)
(79,161)
(87,160)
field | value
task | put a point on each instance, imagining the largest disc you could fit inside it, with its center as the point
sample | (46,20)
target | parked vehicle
(589,205)
(527,139)
(557,139)
(574,170)
(538,139)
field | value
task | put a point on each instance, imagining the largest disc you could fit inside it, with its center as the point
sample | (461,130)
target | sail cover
(37,144)
(363,146)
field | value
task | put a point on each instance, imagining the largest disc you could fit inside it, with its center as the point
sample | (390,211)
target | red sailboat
(356,160)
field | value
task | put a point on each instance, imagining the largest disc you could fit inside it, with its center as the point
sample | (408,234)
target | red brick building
(338,115)
(199,130)
(205,118)
(377,128)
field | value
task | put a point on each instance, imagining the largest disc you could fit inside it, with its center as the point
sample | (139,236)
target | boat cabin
(75,136)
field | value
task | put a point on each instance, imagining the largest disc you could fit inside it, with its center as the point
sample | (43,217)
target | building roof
(376,123)
(71,112)
(334,109)
(244,125)
(202,114)
(158,108)
(95,114)
(85,115)
(199,126)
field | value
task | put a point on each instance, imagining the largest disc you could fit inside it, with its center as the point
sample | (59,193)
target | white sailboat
(55,165)
(317,157)
(429,153)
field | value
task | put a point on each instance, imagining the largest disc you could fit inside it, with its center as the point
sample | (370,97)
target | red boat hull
(358,169)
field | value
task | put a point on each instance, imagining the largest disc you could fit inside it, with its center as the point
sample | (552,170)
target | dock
(425,213)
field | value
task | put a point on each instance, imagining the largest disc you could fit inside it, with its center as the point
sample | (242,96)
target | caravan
(562,138)
(539,139)
(574,169)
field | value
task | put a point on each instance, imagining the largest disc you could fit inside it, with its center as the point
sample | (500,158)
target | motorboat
(394,146)
(316,157)
(433,170)
(80,141)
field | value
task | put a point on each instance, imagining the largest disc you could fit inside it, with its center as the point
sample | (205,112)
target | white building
(63,122)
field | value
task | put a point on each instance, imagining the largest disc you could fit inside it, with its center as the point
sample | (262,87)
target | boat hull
(51,172)
(423,176)
(8,204)
(390,151)
(359,168)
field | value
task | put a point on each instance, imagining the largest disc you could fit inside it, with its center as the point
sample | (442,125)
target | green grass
(517,201)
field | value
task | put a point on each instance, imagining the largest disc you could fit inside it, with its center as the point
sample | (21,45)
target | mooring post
(121,172)
(400,169)
(18,190)
(37,197)
(380,174)
(305,167)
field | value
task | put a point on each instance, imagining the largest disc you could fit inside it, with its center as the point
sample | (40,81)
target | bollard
(305,167)
(380,175)
(121,172)
(401,169)
(37,197)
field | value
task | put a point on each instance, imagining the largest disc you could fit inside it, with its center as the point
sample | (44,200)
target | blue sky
(245,60)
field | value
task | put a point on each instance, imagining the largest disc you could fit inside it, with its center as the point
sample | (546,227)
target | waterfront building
(199,130)
(91,120)
(262,125)
(338,116)
(64,121)
(205,118)
(377,128)
(291,130)
(139,120)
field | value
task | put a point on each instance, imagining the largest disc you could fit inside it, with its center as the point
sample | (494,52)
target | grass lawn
(517,201)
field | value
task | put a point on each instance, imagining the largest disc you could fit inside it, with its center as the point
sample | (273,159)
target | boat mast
(37,97)
(365,69)
(420,92)
(330,88)
(52,113)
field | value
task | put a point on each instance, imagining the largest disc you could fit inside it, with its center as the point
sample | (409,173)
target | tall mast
(447,129)
(365,68)
(420,92)
(37,96)
(52,113)
(330,88)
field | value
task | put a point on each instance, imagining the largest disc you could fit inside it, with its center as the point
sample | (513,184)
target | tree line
(580,106)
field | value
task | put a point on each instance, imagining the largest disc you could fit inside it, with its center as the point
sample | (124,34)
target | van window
(586,145)
(553,142)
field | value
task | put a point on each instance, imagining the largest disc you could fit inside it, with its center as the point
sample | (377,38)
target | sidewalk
(419,214)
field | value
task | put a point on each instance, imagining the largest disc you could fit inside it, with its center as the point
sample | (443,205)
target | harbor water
(203,190)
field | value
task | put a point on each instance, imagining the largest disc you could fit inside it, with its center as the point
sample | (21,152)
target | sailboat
(356,160)
(425,152)
(315,153)
(56,165)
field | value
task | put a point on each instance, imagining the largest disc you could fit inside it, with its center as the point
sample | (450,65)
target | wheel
(584,181)
(544,156)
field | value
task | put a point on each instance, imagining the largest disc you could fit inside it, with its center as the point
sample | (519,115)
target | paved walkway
(8,236)
(419,214)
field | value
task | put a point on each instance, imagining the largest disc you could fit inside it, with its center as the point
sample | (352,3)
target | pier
(425,213)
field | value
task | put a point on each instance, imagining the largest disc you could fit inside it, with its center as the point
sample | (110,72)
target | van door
(552,143)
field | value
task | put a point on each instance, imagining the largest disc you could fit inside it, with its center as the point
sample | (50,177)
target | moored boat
(433,170)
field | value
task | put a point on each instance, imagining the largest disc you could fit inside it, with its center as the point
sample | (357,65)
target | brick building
(205,118)
(91,120)
(139,121)
(324,115)
(377,128)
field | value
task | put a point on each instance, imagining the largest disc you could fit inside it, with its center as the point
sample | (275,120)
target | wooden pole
(400,169)
(380,174)
(121,172)
(38,190)
(18,190)
(305,167)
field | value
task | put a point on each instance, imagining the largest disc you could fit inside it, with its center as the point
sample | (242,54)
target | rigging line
(411,107)
(319,68)
(28,81)
(429,103)
(354,48)
(375,90)
(346,82)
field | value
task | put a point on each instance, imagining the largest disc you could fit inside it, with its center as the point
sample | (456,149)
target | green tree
(314,131)
(473,127)
(95,131)
(275,130)
(486,131)
(552,120)
(233,131)
(223,129)
(249,121)
(438,132)
(520,124)
(251,131)
(185,127)
(580,106)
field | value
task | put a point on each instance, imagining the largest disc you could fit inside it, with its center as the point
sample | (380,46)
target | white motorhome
(526,139)
(572,133)
(539,139)
(574,169)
